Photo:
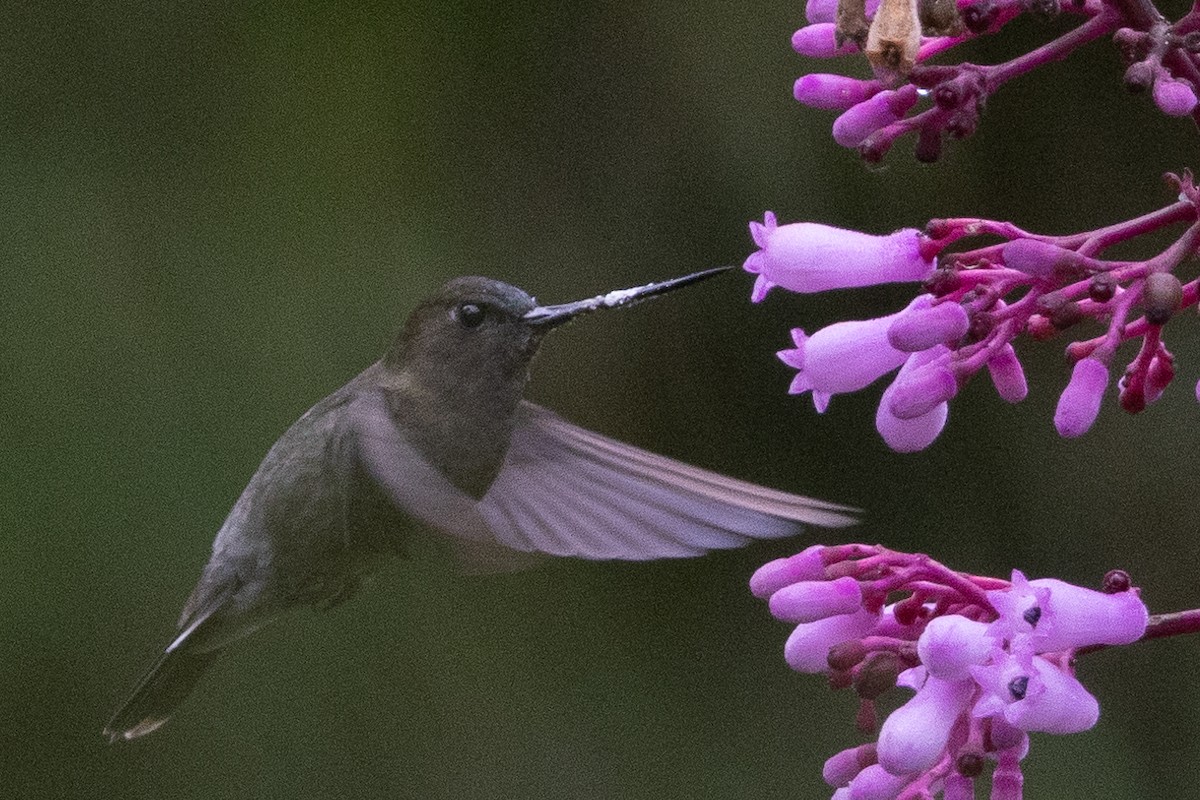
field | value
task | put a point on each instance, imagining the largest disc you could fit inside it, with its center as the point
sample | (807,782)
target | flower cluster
(990,661)
(976,302)
(907,94)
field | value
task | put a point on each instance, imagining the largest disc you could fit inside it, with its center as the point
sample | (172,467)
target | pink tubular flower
(1079,404)
(989,660)
(950,645)
(915,433)
(915,734)
(809,257)
(843,357)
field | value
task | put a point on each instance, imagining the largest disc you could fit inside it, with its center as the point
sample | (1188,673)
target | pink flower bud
(876,783)
(1037,259)
(921,327)
(807,649)
(809,257)
(858,122)
(1173,97)
(806,565)
(809,601)
(1080,401)
(1007,375)
(950,644)
(832,92)
(817,41)
(917,433)
(923,390)
(914,736)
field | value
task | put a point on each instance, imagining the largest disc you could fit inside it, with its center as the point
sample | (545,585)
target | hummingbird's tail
(163,688)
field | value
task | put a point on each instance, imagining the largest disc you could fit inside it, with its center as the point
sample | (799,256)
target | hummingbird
(436,437)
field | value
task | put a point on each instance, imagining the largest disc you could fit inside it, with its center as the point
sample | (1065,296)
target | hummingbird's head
(470,325)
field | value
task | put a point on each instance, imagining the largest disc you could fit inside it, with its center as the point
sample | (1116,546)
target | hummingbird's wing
(567,491)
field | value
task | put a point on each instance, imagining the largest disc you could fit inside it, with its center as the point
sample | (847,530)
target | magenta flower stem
(1100,25)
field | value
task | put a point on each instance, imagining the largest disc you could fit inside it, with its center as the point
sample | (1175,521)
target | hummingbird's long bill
(556,315)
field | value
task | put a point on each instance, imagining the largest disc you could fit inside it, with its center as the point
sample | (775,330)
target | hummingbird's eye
(469,314)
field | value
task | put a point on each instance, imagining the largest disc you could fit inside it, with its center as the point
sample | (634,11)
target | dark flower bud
(942,281)
(846,655)
(929,144)
(947,95)
(969,763)
(939,17)
(1102,287)
(1190,42)
(1162,295)
(980,16)
(876,675)
(852,22)
(1139,77)
(908,611)
(1116,581)
(1131,43)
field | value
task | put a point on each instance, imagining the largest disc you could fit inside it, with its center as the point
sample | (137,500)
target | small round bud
(876,675)
(942,281)
(908,611)
(1102,287)
(1039,328)
(1162,295)
(969,763)
(1139,77)
(846,655)
(1131,43)
(1116,581)
(947,95)
(980,16)
(1190,42)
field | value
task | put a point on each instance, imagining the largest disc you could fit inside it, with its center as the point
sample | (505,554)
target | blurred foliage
(216,213)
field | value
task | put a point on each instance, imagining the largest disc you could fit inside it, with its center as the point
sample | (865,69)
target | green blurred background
(213,214)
